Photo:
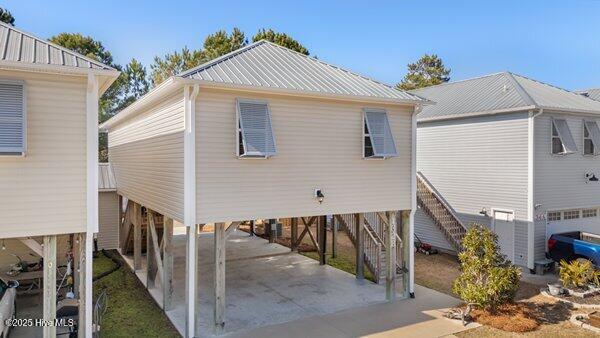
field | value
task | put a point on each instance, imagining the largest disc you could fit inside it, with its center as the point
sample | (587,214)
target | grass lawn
(131,311)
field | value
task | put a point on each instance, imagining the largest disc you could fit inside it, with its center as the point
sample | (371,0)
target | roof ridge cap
(220,58)
(522,92)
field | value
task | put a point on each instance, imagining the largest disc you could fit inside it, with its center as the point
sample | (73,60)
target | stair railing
(372,249)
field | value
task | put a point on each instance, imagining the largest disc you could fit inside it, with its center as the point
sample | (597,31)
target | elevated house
(49,159)
(264,133)
(511,153)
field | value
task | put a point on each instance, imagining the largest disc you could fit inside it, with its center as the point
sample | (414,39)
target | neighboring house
(49,156)
(108,209)
(511,153)
(263,133)
(592,93)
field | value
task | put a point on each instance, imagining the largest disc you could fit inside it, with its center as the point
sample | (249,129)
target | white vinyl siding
(428,232)
(45,191)
(560,182)
(108,220)
(13,119)
(146,153)
(479,162)
(378,137)
(318,146)
(255,132)
(591,138)
(562,139)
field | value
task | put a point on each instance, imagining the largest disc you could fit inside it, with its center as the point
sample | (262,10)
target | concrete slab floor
(265,285)
(417,317)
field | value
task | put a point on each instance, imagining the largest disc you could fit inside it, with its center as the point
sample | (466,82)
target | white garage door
(579,223)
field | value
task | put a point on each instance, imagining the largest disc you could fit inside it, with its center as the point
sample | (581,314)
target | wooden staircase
(440,212)
(373,243)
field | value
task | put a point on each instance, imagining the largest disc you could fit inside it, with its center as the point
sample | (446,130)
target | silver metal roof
(265,64)
(500,92)
(21,47)
(592,93)
(106,178)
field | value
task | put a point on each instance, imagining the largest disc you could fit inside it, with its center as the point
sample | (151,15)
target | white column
(191,284)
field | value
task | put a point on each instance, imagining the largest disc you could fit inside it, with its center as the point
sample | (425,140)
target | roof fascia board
(299,93)
(475,114)
(57,69)
(570,111)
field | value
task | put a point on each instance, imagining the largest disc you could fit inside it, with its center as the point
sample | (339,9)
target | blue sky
(552,41)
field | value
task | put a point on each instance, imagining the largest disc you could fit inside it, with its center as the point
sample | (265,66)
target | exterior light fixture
(319,195)
(484,211)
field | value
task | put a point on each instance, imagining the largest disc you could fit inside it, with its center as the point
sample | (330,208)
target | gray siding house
(511,153)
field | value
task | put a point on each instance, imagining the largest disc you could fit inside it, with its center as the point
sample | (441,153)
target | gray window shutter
(12,118)
(380,134)
(257,132)
(565,135)
(594,131)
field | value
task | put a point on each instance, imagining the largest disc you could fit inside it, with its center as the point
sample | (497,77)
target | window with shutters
(562,139)
(591,138)
(13,119)
(378,141)
(254,131)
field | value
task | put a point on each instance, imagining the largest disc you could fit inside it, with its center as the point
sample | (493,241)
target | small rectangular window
(13,119)
(562,140)
(254,131)
(587,213)
(571,214)
(554,215)
(591,138)
(377,135)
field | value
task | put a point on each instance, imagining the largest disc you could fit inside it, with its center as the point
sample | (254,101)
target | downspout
(189,204)
(413,200)
(530,189)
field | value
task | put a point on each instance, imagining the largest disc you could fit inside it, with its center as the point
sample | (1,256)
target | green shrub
(578,273)
(487,277)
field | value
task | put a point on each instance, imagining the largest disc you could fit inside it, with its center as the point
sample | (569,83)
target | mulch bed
(516,317)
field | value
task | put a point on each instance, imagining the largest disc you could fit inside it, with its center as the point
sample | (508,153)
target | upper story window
(13,119)
(377,135)
(554,216)
(254,131)
(587,213)
(591,138)
(571,214)
(562,140)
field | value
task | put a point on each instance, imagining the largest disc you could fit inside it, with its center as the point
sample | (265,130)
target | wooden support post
(167,277)
(151,266)
(137,236)
(334,228)
(191,285)
(80,278)
(407,252)
(49,285)
(322,240)
(390,257)
(360,253)
(252,228)
(219,308)
(269,229)
(294,235)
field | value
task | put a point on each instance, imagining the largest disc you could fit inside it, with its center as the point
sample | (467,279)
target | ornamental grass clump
(488,279)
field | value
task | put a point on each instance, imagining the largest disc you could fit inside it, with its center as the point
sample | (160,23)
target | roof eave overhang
(108,76)
(174,82)
(570,111)
(293,92)
(476,114)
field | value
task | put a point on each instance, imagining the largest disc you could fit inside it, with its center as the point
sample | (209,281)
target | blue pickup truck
(573,245)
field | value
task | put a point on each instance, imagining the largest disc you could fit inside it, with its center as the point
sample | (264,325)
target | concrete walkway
(419,317)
